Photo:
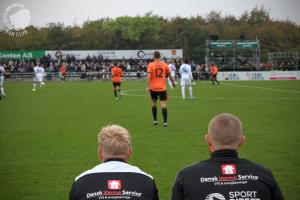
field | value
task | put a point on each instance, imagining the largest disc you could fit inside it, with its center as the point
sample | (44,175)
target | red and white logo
(228,169)
(114,184)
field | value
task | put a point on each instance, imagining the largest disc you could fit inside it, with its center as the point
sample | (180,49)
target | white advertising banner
(117,54)
(285,75)
(259,75)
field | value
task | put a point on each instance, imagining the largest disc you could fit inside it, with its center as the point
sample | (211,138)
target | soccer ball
(194,83)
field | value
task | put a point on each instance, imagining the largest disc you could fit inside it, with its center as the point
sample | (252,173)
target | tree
(155,32)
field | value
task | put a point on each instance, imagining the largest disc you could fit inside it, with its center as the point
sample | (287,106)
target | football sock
(119,92)
(2,91)
(191,91)
(34,86)
(183,91)
(154,113)
(115,92)
(165,114)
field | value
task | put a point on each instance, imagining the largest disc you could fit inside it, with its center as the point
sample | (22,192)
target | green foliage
(152,32)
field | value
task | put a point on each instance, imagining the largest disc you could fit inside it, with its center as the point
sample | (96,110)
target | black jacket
(225,177)
(114,180)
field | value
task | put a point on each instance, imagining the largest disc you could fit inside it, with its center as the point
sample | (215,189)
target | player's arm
(148,81)
(178,190)
(180,70)
(148,78)
(3,71)
(112,73)
(172,81)
(190,72)
(168,71)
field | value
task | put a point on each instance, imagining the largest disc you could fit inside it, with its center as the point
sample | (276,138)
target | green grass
(47,138)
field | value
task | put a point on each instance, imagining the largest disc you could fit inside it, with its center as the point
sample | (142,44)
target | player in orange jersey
(63,72)
(214,72)
(157,72)
(116,77)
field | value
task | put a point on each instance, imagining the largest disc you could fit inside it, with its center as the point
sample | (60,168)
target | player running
(186,75)
(2,72)
(63,72)
(38,76)
(116,77)
(214,73)
(156,85)
(173,73)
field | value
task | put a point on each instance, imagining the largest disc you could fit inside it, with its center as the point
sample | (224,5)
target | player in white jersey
(186,75)
(173,73)
(2,72)
(38,76)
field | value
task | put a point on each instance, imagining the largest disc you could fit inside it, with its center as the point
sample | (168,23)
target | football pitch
(48,137)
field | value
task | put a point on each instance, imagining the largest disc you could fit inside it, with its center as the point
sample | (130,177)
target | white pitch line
(263,88)
(216,98)
(143,95)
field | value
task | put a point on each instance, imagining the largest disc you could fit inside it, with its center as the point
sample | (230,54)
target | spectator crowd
(93,67)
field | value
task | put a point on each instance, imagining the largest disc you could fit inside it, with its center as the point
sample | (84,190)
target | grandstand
(284,60)
(234,55)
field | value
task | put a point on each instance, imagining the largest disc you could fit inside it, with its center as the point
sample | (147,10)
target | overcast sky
(72,12)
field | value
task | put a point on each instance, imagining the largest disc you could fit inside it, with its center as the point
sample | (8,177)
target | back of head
(156,55)
(225,131)
(114,141)
(186,61)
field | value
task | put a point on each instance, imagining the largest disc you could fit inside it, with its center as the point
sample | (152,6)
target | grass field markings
(263,88)
(132,90)
(127,93)
(143,95)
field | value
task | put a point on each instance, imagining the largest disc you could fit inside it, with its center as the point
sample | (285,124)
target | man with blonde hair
(114,178)
(225,175)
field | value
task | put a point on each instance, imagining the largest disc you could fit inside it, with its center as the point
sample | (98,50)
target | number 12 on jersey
(158,72)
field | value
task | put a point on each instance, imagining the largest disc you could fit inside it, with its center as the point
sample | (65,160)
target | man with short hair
(225,175)
(156,85)
(214,72)
(114,178)
(38,76)
(186,75)
(116,77)
(63,72)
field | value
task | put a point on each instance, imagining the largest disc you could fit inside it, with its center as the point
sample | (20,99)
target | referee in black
(114,178)
(225,176)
